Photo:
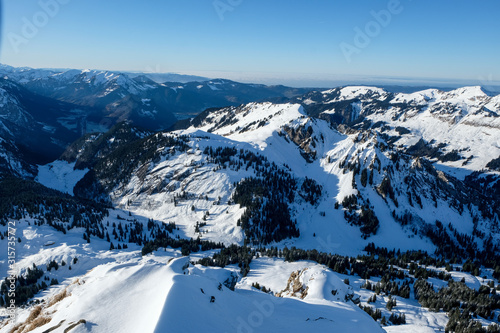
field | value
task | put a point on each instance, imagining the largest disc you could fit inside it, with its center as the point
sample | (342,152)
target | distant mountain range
(56,107)
(168,77)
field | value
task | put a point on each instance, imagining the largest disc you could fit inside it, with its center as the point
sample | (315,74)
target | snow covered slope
(12,162)
(461,125)
(137,296)
(120,291)
(60,175)
(310,147)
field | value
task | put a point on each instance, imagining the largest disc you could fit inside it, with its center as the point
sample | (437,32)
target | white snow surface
(120,291)
(60,175)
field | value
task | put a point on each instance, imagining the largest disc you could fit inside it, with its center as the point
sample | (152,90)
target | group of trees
(21,198)
(365,218)
(233,254)
(485,194)
(237,159)
(396,288)
(266,196)
(461,303)
(457,247)
(376,314)
(187,246)
(267,216)
(310,191)
(26,286)
(482,302)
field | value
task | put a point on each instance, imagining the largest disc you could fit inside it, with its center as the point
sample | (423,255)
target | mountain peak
(356,92)
(470,92)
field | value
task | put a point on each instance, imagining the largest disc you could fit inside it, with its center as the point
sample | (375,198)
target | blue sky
(289,41)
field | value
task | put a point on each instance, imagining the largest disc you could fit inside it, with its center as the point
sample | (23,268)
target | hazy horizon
(297,44)
(310,80)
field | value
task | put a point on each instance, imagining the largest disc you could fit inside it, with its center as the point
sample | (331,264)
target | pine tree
(391,303)
(364,177)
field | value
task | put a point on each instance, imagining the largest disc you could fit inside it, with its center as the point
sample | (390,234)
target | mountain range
(218,211)
(66,104)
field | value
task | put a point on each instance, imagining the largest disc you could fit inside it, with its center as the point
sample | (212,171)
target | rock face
(294,287)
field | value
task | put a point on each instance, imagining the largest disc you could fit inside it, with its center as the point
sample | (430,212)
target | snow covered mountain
(44,110)
(253,215)
(107,97)
(118,291)
(39,126)
(261,173)
(457,126)
(13,163)
(111,97)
